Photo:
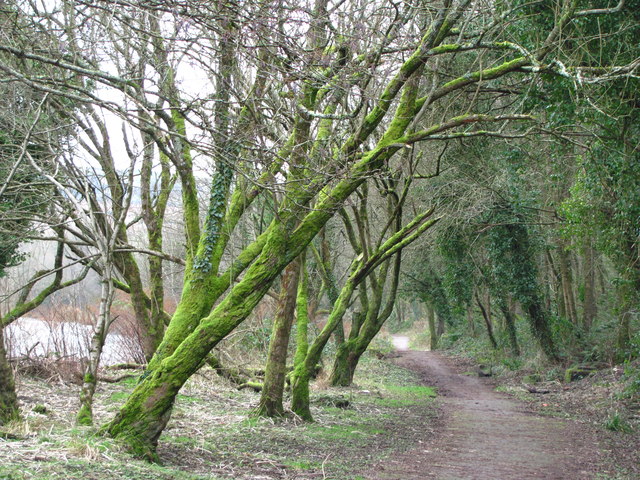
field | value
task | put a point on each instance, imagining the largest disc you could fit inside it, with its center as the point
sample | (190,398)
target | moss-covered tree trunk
(348,356)
(143,417)
(366,326)
(9,409)
(301,374)
(300,402)
(271,404)
(344,365)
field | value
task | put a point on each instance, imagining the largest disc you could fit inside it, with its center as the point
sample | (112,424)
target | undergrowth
(211,435)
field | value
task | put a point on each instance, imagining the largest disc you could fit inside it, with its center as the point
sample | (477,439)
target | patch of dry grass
(212,435)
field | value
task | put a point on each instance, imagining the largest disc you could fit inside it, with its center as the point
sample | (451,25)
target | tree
(31,139)
(144,415)
(309,123)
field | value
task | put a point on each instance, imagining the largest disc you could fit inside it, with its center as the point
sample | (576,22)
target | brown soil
(486,435)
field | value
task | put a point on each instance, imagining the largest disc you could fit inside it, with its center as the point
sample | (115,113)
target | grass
(86,470)
(405,396)
(616,423)
(212,435)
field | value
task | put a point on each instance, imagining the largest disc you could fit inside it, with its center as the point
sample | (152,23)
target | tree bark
(9,409)
(302,372)
(510,322)
(589,307)
(273,389)
(557,284)
(541,330)
(487,322)
(300,401)
(566,280)
(433,333)
(90,377)
(627,298)
(440,326)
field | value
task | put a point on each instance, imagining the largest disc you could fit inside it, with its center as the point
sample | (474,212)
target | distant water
(33,337)
(400,342)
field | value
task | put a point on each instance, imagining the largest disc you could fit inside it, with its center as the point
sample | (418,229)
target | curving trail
(486,435)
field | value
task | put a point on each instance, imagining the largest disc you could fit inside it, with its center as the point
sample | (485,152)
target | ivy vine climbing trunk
(371,138)
(510,324)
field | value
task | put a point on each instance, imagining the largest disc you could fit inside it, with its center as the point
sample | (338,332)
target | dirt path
(485,435)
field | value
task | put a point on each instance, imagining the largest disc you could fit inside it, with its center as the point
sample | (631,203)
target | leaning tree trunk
(487,322)
(9,409)
(274,378)
(145,414)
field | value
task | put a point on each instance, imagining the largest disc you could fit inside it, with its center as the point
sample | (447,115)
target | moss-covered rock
(576,373)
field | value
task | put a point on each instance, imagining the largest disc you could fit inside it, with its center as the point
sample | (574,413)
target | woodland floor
(388,426)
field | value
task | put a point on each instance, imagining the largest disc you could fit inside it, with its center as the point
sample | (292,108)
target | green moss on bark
(300,376)
(85,416)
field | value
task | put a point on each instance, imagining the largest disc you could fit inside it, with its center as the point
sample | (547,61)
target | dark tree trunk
(345,365)
(589,308)
(440,327)
(272,392)
(487,322)
(566,277)
(433,333)
(510,322)
(541,330)
(470,322)
(300,376)
(8,399)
